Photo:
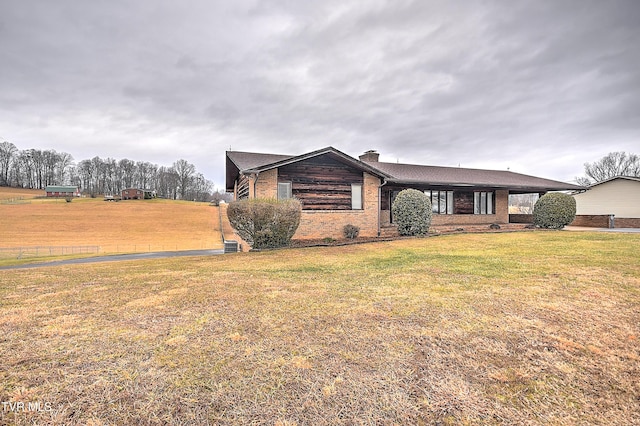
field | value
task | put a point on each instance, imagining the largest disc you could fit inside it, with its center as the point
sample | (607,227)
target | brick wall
(502,206)
(329,223)
(266,186)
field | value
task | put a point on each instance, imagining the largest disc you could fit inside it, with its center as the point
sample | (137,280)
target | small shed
(62,191)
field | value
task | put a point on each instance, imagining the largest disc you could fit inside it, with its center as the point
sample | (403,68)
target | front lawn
(516,328)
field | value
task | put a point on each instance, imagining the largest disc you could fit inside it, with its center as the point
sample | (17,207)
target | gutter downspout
(255,182)
(380,203)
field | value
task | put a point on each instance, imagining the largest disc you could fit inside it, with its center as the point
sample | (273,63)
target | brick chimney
(370,156)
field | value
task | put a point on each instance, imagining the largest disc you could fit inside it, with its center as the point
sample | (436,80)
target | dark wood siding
(321,183)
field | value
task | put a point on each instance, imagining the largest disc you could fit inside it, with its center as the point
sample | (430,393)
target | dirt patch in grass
(521,328)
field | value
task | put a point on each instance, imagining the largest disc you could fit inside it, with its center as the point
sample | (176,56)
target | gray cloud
(540,87)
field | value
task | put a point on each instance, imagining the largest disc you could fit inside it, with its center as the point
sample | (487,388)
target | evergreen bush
(554,210)
(412,212)
(265,222)
(350,231)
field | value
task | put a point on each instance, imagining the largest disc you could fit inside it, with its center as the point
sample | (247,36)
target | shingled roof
(461,177)
(402,174)
(252,160)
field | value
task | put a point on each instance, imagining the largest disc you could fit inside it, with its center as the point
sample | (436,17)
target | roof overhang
(514,189)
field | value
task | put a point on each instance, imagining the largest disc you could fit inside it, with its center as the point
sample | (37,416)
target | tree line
(36,169)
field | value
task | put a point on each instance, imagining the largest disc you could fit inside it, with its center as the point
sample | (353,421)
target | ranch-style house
(62,191)
(336,189)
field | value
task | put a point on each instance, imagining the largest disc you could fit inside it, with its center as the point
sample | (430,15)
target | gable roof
(631,178)
(402,174)
(248,162)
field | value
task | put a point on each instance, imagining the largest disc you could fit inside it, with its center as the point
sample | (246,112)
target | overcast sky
(539,87)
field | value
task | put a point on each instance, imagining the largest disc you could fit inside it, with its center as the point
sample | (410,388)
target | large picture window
(483,202)
(441,201)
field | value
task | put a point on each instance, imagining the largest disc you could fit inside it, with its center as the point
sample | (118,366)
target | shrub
(265,222)
(412,212)
(554,210)
(350,231)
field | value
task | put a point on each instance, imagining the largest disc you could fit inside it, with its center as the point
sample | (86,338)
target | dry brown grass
(11,194)
(521,328)
(125,226)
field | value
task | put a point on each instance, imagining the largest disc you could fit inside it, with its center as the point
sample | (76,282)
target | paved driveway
(619,230)
(118,258)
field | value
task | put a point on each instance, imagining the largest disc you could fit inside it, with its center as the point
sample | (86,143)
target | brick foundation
(592,221)
(520,218)
(621,222)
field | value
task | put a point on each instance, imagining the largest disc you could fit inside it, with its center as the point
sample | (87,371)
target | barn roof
(61,188)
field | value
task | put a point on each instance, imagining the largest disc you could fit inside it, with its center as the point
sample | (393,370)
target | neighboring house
(617,198)
(138,194)
(62,191)
(336,189)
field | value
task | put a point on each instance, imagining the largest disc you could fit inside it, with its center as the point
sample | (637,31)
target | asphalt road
(118,258)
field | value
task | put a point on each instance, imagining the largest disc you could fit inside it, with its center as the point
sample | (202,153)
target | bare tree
(110,174)
(65,164)
(200,188)
(612,165)
(86,175)
(127,170)
(145,172)
(167,183)
(8,153)
(185,172)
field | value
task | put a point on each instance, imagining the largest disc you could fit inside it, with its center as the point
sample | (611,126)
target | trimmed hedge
(265,222)
(412,212)
(554,210)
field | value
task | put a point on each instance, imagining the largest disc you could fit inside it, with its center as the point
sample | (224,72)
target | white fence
(45,251)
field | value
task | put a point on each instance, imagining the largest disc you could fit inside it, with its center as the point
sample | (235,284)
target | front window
(441,201)
(356,196)
(483,202)
(284,190)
